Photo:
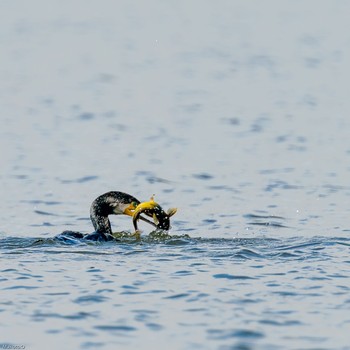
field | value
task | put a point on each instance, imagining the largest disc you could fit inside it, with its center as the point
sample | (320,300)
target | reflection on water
(237,116)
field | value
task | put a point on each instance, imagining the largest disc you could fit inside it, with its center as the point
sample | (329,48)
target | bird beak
(130,209)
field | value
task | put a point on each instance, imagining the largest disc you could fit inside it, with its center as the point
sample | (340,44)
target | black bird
(119,203)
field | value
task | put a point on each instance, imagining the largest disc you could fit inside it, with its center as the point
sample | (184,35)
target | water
(234,112)
(189,292)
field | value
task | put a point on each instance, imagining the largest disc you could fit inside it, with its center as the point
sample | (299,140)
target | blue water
(236,113)
(212,293)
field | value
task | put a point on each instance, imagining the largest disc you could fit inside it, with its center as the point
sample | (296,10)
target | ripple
(279,184)
(39,201)
(41,316)
(266,220)
(280,323)
(184,247)
(232,277)
(183,273)
(20,287)
(112,328)
(45,213)
(81,179)
(154,326)
(177,296)
(240,333)
(90,299)
(248,254)
(93,345)
(203,176)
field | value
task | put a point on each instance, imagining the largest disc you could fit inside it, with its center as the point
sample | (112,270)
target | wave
(295,248)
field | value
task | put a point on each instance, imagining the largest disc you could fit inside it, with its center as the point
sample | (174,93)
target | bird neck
(99,218)
(101,224)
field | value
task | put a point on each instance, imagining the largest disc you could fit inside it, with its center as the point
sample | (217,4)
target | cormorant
(120,203)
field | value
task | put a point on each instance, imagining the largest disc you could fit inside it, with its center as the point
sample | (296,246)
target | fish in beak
(161,219)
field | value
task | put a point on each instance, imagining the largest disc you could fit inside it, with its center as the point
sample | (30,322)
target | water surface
(216,293)
(234,112)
